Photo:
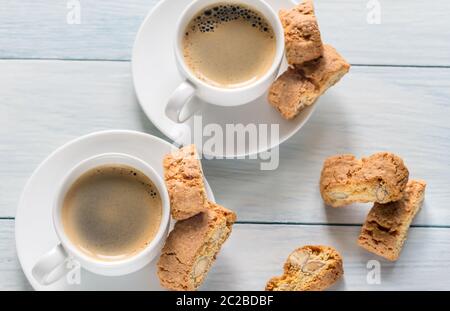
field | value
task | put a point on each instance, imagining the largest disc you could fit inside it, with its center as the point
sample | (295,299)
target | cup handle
(46,271)
(180,97)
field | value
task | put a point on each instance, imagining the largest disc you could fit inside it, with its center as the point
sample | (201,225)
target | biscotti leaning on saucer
(184,180)
(301,33)
(192,247)
(386,227)
(380,178)
(309,268)
(300,86)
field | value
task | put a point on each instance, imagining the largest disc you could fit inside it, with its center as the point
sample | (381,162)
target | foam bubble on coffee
(212,17)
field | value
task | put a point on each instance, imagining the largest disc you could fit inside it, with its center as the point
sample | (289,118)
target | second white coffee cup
(48,268)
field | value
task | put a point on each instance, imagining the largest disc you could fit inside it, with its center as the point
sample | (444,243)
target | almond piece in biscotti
(312,266)
(299,258)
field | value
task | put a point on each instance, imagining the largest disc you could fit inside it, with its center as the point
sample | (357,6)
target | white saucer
(155,77)
(34,229)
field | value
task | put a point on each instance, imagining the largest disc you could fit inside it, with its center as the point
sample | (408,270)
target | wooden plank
(255,253)
(409,33)
(43,104)
(39,29)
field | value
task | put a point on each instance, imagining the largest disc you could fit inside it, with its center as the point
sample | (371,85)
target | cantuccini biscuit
(309,268)
(301,86)
(386,226)
(380,178)
(192,247)
(184,180)
(301,32)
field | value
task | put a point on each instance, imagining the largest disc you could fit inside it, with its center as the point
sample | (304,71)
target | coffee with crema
(112,212)
(229,45)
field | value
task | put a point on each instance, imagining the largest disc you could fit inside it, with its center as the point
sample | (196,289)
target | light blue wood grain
(39,29)
(255,253)
(11,275)
(410,32)
(44,104)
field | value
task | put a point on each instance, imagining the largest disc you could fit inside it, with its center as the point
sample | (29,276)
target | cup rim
(279,34)
(62,191)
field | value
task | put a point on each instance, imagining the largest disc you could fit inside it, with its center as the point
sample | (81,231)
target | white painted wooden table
(60,81)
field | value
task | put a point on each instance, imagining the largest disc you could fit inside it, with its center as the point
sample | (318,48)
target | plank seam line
(129,60)
(403,66)
(290,223)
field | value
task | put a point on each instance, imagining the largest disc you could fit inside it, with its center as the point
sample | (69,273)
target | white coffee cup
(48,268)
(193,86)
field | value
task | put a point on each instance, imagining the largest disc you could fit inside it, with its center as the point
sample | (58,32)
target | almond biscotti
(386,226)
(184,180)
(380,178)
(301,33)
(301,86)
(192,247)
(309,268)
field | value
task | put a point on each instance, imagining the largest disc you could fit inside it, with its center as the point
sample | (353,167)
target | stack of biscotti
(382,179)
(313,66)
(202,226)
